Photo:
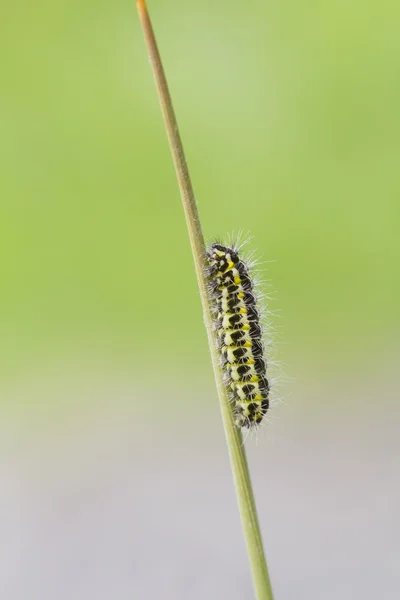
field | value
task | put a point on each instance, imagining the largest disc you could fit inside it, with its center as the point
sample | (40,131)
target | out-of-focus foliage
(290,118)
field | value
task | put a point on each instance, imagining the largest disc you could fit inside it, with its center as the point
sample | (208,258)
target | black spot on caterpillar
(239,334)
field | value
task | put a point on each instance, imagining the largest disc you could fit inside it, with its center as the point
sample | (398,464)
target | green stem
(233,435)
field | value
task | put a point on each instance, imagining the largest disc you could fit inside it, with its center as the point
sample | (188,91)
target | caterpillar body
(239,334)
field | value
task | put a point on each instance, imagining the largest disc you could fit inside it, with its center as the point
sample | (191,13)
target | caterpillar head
(221,257)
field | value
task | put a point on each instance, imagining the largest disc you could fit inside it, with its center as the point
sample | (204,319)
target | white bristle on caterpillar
(239,334)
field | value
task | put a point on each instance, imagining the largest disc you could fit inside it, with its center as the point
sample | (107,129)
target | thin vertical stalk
(233,435)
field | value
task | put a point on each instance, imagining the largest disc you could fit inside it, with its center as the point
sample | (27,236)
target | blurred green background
(289,114)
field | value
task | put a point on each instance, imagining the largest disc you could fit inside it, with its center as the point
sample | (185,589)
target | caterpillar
(239,334)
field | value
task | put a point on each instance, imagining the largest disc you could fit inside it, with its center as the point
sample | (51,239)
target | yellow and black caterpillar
(239,334)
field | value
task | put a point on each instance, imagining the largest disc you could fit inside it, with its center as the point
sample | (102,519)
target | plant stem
(233,435)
